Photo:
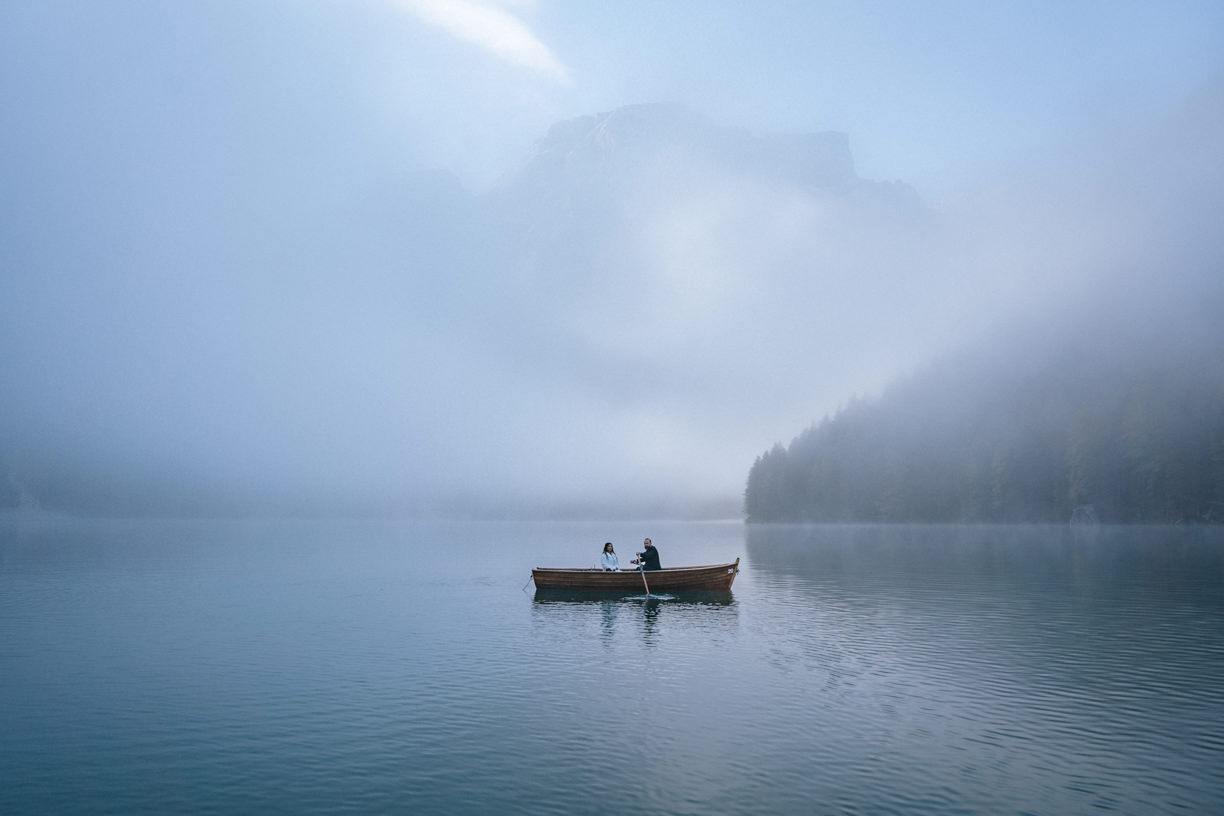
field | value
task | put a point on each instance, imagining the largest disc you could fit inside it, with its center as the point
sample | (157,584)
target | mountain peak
(657,136)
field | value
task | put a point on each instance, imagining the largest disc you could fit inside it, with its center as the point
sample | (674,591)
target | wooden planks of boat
(712,577)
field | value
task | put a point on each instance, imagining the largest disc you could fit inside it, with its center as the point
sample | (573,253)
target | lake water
(337,667)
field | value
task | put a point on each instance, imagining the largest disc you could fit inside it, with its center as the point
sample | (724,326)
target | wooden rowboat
(714,577)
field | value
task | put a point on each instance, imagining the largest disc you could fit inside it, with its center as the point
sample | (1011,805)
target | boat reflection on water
(713,598)
(640,615)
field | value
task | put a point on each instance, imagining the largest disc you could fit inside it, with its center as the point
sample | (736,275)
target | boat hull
(713,577)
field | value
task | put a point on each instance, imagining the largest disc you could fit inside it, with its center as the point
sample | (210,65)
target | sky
(233,245)
(930,93)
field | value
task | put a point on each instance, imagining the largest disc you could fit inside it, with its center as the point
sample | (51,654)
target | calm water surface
(332,667)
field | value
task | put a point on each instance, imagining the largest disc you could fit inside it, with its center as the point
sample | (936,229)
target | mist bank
(617,328)
(43,488)
(1093,419)
(597,335)
(1101,386)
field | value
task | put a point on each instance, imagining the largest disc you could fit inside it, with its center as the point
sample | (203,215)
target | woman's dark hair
(606,546)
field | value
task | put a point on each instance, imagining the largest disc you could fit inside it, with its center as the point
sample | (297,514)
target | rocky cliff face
(641,148)
(654,247)
(638,137)
(597,192)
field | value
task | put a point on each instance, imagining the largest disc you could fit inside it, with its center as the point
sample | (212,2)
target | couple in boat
(647,559)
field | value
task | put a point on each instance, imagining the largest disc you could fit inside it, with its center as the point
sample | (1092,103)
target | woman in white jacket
(608,559)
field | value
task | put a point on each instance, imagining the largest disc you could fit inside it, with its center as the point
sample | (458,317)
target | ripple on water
(857,670)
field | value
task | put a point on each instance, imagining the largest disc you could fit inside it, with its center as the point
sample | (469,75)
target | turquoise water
(359,667)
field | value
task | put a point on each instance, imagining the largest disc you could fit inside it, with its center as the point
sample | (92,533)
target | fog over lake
(324,322)
(524,258)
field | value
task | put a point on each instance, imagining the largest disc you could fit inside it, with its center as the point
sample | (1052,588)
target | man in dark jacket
(649,557)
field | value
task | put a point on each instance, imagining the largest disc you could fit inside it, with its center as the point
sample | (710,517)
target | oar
(642,569)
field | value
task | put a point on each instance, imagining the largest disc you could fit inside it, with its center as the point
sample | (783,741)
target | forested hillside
(1130,425)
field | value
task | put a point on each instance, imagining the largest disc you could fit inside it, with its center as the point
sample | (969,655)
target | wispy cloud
(493,28)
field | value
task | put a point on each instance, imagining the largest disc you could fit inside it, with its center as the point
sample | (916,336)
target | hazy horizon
(306,257)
